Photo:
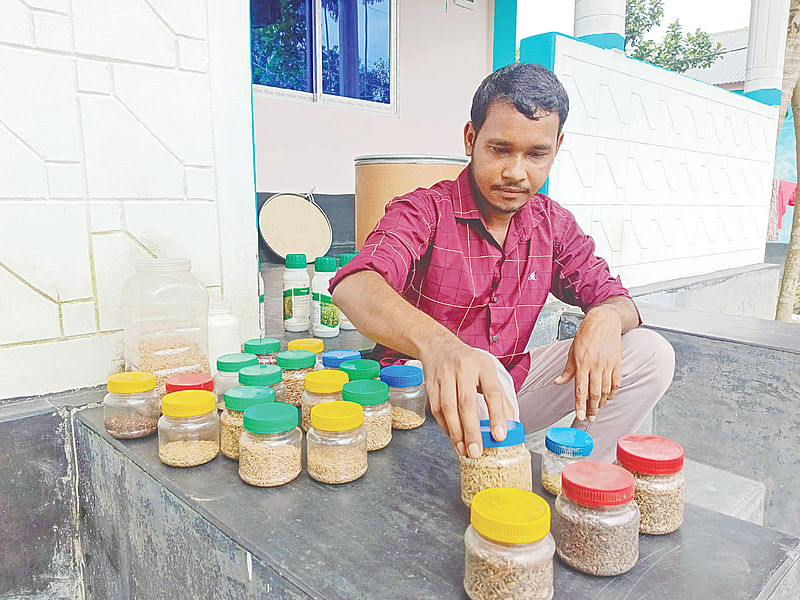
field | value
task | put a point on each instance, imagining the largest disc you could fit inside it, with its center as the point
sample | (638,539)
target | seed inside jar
(506,466)
(268,466)
(379,429)
(188,453)
(130,426)
(336,464)
(167,358)
(660,504)
(402,418)
(231,426)
(488,576)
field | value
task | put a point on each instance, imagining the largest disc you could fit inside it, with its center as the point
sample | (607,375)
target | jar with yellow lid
(320,386)
(374,397)
(231,419)
(271,445)
(509,548)
(131,407)
(336,445)
(188,430)
(296,364)
(315,345)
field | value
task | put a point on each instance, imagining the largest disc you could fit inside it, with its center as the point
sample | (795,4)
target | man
(465,267)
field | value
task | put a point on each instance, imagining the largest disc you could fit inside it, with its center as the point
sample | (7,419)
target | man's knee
(651,352)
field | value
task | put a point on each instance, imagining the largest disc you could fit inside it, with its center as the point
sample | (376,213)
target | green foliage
(278,51)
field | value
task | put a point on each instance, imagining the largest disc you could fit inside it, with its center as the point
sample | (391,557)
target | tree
(677,52)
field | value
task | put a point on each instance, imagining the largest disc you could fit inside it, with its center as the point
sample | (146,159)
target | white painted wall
(125,132)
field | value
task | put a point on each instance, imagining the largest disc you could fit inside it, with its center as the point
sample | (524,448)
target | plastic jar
(344,322)
(509,549)
(271,445)
(227,377)
(164,311)
(333,358)
(296,294)
(320,386)
(597,522)
(223,331)
(237,400)
(657,466)
(264,376)
(361,368)
(132,406)
(266,349)
(190,381)
(373,396)
(336,444)
(563,445)
(296,364)
(407,395)
(314,345)
(188,430)
(501,464)
(324,313)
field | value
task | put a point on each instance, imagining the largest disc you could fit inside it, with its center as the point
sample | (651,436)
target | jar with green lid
(296,364)
(132,406)
(509,548)
(361,368)
(336,444)
(266,349)
(265,376)
(270,446)
(373,396)
(237,400)
(228,366)
(315,345)
(320,386)
(407,395)
(563,446)
(188,430)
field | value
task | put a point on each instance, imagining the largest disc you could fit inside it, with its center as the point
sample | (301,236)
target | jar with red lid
(657,466)
(190,381)
(597,522)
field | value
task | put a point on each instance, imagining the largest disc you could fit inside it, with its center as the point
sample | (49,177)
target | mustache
(511,188)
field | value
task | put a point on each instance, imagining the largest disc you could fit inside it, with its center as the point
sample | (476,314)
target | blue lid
(569,441)
(401,376)
(515,434)
(333,358)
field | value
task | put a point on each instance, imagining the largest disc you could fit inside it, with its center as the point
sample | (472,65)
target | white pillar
(601,22)
(765,46)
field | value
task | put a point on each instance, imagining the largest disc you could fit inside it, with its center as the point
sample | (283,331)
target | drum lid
(294,224)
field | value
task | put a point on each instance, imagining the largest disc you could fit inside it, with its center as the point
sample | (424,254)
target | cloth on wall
(787,191)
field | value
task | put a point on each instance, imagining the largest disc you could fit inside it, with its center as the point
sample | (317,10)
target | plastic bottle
(344,322)
(296,293)
(324,313)
(262,315)
(223,331)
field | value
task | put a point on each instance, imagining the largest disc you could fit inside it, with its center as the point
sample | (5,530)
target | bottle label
(296,305)
(324,313)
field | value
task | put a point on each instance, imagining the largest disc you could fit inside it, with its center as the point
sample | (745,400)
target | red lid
(651,454)
(597,484)
(190,381)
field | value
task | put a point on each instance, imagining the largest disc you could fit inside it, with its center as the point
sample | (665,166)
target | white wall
(444,53)
(125,132)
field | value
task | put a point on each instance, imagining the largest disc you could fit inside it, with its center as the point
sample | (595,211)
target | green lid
(275,417)
(362,368)
(262,345)
(346,257)
(296,261)
(231,363)
(260,375)
(366,392)
(242,397)
(325,264)
(296,359)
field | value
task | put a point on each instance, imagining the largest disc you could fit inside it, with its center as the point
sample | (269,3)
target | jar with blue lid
(501,464)
(406,395)
(563,445)
(331,359)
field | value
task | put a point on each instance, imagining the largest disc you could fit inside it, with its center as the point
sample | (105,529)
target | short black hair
(532,89)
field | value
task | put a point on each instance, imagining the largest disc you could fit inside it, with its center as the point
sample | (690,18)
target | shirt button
(494,299)
(494,338)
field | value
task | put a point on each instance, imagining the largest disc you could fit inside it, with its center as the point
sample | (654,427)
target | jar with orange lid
(320,386)
(188,430)
(315,345)
(336,444)
(132,407)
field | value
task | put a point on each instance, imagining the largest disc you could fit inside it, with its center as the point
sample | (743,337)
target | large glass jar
(190,381)
(270,446)
(336,445)
(132,407)
(265,376)
(657,466)
(331,359)
(361,368)
(164,311)
(315,345)
(407,395)
(296,364)
(509,549)
(231,419)
(373,396)
(563,445)
(320,386)
(597,522)
(501,464)
(188,430)
(227,377)
(266,349)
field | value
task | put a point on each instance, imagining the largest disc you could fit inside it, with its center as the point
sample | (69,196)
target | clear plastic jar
(597,522)
(266,349)
(271,445)
(296,364)
(501,464)
(227,377)
(188,430)
(320,386)
(361,368)
(190,381)
(223,331)
(265,376)
(164,311)
(231,419)
(563,445)
(336,444)
(373,396)
(331,359)
(657,466)
(509,549)
(132,406)
(407,395)
(315,345)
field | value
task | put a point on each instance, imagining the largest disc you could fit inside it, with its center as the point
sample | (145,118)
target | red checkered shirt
(433,248)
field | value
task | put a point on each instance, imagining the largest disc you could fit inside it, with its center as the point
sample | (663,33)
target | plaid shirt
(433,248)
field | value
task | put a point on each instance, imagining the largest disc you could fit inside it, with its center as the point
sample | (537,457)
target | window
(324,47)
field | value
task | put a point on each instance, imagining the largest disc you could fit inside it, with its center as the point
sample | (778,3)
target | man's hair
(532,89)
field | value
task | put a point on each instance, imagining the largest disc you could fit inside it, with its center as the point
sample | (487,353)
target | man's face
(511,155)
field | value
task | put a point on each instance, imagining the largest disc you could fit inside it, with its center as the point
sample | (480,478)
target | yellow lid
(188,403)
(510,515)
(314,345)
(338,415)
(131,382)
(326,382)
